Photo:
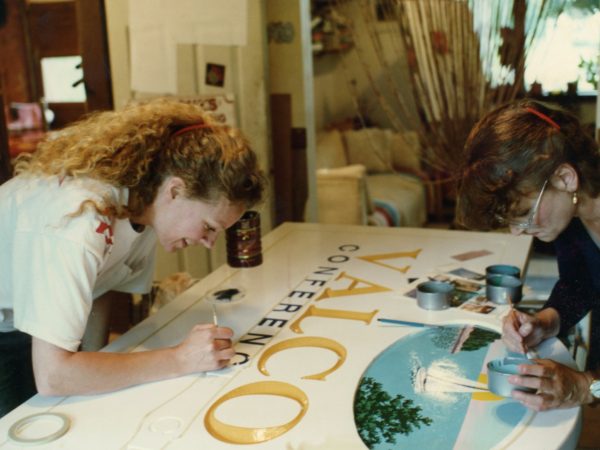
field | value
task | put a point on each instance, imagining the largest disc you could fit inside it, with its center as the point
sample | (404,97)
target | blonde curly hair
(139,147)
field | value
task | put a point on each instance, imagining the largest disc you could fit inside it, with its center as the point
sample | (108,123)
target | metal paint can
(434,295)
(499,370)
(502,269)
(503,289)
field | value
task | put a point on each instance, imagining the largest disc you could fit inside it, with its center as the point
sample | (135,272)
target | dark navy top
(577,291)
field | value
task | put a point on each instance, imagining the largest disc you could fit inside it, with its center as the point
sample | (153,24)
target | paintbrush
(405,323)
(214,313)
(513,315)
(528,352)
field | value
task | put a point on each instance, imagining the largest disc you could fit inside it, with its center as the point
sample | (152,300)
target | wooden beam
(93,44)
(5,166)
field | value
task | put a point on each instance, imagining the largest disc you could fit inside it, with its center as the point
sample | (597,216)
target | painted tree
(479,338)
(379,416)
(445,337)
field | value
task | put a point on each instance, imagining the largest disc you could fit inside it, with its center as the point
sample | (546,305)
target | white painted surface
(170,414)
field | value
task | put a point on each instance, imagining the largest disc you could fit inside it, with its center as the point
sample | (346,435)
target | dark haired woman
(532,168)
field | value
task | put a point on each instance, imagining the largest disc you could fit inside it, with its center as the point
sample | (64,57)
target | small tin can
(502,269)
(434,295)
(503,289)
(499,370)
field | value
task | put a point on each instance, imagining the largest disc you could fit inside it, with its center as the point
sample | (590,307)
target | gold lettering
(352,289)
(332,314)
(375,259)
(243,435)
(320,342)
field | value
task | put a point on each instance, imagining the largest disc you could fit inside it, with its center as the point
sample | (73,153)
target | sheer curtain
(463,58)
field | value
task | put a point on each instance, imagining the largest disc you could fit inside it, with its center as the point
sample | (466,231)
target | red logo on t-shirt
(105,229)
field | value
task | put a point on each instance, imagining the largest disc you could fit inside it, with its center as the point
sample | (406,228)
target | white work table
(311,308)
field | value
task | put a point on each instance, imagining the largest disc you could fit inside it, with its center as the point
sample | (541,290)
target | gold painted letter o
(244,435)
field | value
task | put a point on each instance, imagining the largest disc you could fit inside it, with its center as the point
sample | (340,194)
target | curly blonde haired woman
(81,219)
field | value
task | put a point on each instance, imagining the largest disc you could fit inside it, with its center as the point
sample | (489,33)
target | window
(60,76)
(567,51)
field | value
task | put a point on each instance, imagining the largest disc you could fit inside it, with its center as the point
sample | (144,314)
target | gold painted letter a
(371,288)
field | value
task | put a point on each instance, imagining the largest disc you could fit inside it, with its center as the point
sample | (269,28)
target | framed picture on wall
(215,75)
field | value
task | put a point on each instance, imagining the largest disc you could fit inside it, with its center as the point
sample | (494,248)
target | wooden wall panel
(16,79)
(53,29)
(5,166)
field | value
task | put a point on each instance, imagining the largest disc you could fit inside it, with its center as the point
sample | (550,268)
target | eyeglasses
(529,224)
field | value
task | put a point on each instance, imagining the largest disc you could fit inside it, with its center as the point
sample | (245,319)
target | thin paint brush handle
(405,323)
(517,325)
(214,313)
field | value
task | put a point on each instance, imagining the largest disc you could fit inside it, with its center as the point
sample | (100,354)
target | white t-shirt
(52,266)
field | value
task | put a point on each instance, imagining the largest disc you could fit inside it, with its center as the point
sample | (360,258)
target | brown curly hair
(512,151)
(139,147)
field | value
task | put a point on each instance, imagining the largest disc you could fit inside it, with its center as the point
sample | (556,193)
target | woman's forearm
(59,372)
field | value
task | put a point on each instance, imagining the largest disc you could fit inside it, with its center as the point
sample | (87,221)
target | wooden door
(67,29)
(35,30)
(93,45)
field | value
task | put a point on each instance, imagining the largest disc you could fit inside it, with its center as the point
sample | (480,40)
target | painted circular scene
(429,390)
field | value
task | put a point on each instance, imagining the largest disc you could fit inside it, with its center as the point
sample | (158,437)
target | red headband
(543,116)
(190,128)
